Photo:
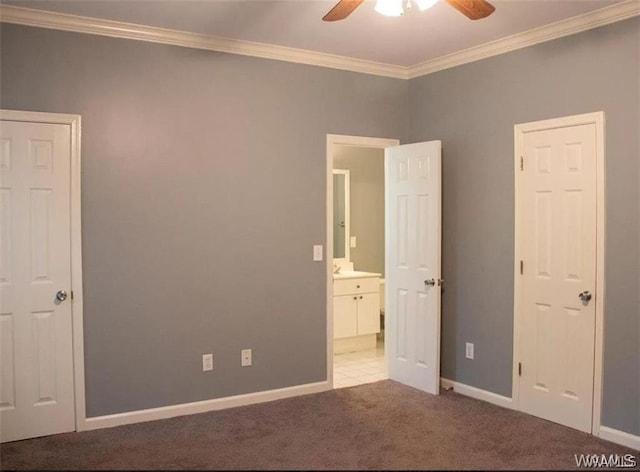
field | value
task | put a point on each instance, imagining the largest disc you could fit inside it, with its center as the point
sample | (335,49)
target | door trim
(334,140)
(596,118)
(74,122)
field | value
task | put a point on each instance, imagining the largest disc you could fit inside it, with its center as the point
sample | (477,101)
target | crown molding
(604,16)
(117,29)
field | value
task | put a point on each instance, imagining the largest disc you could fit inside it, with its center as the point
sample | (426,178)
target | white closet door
(36,360)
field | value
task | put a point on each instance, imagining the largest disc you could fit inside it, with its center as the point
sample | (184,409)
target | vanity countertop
(353,274)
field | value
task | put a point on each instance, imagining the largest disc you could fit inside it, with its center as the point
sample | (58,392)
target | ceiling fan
(472,9)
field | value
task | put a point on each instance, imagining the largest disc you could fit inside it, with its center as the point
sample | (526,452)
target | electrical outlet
(317,252)
(245,357)
(469,350)
(353,242)
(207,362)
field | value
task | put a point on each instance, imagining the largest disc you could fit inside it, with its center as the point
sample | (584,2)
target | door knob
(430,282)
(585,296)
(61,295)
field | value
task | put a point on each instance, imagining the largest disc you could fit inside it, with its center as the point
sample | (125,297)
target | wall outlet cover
(246,357)
(207,362)
(469,351)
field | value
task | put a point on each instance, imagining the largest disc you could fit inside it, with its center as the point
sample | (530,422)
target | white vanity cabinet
(356,310)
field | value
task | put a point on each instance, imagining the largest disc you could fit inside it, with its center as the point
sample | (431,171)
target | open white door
(413,241)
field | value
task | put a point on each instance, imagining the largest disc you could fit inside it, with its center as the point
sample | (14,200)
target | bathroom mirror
(341,214)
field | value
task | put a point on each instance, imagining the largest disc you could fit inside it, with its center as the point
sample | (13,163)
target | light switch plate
(317,252)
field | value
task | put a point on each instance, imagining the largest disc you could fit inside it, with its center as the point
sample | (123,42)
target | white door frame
(520,130)
(76,247)
(334,140)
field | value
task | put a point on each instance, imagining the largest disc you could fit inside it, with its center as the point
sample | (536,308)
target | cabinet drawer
(364,285)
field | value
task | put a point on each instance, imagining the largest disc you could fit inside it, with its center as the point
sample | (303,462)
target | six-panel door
(559,264)
(36,363)
(413,228)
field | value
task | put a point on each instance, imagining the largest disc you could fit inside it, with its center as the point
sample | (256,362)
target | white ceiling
(411,39)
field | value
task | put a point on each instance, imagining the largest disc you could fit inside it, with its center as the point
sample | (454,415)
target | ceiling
(405,41)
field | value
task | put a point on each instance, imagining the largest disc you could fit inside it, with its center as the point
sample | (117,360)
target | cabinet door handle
(357,286)
(355,298)
(360,297)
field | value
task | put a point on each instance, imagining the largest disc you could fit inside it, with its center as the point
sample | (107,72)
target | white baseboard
(477,393)
(204,406)
(619,437)
(608,434)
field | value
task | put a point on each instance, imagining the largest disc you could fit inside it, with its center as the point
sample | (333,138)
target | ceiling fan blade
(342,9)
(473,9)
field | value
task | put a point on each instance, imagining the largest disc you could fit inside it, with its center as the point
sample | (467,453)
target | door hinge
(521,163)
(521,267)
(519,369)
(71,294)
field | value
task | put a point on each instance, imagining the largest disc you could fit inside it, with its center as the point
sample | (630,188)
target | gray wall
(366,166)
(472,109)
(203,192)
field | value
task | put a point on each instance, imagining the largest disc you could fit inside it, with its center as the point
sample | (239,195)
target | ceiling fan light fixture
(472,9)
(389,7)
(425,4)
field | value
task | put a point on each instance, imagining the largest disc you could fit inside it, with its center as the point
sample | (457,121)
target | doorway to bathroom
(409,329)
(356,244)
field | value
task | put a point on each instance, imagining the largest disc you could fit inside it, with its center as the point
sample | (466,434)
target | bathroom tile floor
(360,367)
